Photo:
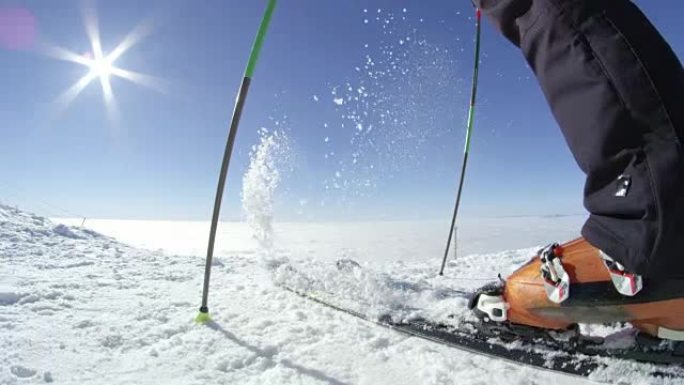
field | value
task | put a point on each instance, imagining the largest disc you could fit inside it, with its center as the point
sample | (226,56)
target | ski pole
(469,130)
(203,315)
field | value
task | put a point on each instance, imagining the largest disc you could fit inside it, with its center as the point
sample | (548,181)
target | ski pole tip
(203,316)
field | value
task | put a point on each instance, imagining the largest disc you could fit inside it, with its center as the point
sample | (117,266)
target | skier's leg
(617,91)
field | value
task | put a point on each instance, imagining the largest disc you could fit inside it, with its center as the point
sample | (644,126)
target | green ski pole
(203,315)
(471,118)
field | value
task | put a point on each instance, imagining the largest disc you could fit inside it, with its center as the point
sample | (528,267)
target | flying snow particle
(315,98)
(338,101)
(260,183)
(327,139)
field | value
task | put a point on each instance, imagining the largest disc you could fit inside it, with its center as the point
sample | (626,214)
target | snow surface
(79,307)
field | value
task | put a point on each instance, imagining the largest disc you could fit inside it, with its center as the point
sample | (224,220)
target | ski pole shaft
(469,130)
(235,121)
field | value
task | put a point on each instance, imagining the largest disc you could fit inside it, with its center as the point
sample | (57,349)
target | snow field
(78,307)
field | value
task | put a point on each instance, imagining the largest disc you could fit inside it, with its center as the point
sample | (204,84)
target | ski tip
(202,318)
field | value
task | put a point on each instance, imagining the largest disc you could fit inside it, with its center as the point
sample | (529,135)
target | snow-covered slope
(77,307)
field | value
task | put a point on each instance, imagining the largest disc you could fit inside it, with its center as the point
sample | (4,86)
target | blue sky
(160,158)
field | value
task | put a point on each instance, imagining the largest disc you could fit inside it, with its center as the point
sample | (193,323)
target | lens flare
(101,66)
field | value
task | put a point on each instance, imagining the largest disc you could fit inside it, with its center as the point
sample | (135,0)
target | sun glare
(100,65)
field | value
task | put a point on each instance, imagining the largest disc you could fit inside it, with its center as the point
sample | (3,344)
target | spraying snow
(402,97)
(268,159)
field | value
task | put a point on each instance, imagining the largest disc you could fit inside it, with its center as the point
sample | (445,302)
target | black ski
(579,359)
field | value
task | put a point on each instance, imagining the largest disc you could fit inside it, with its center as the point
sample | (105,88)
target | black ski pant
(616,89)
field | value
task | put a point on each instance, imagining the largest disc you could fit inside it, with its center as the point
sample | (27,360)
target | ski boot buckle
(625,283)
(556,279)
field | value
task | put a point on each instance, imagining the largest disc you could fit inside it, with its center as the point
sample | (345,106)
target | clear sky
(394,153)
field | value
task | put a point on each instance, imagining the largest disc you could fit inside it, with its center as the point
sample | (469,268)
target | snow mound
(17,226)
(71,297)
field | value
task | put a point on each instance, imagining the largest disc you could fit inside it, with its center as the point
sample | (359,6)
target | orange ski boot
(577,283)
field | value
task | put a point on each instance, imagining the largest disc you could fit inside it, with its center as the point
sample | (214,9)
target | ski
(534,350)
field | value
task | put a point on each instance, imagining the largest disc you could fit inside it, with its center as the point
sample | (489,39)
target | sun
(100,64)
(102,68)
